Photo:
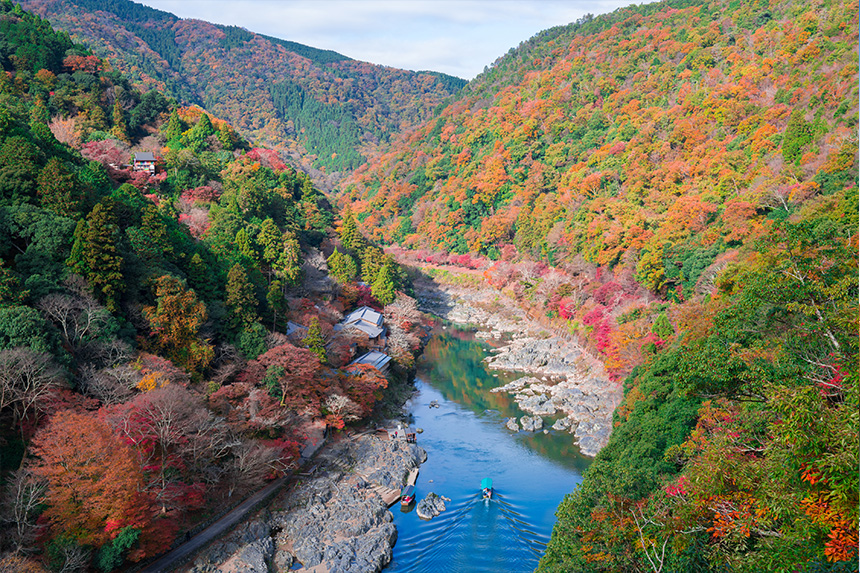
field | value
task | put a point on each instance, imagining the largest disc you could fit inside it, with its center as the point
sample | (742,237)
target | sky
(457,37)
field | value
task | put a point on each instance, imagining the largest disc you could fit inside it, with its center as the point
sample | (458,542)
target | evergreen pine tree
(289,263)
(156,231)
(240,299)
(120,128)
(384,288)
(94,253)
(269,240)
(314,340)
(200,277)
(277,301)
(56,187)
(341,266)
(39,113)
(798,136)
(371,261)
(10,287)
(173,131)
(349,235)
(244,245)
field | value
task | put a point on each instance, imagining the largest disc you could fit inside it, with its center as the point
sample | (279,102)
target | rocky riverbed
(572,390)
(333,520)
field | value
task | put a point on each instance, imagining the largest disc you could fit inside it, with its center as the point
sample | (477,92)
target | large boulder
(537,405)
(430,506)
(531,423)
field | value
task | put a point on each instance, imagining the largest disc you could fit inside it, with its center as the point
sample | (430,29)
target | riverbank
(566,386)
(332,519)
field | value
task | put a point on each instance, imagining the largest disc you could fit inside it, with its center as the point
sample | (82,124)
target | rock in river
(512,425)
(531,423)
(537,405)
(430,506)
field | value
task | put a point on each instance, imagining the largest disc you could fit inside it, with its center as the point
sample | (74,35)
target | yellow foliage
(152,380)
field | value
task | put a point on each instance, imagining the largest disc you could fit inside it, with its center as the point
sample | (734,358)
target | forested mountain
(147,380)
(676,185)
(325,108)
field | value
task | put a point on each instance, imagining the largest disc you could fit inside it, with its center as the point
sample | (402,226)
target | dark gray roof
(144,156)
(374,358)
(366,320)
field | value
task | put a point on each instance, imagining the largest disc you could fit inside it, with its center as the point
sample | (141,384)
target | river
(466,440)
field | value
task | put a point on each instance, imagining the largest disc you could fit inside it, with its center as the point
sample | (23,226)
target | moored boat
(407,495)
(487,488)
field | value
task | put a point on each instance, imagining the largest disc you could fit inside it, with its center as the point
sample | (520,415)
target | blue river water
(466,440)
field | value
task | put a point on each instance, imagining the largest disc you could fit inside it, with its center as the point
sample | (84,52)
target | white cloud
(458,37)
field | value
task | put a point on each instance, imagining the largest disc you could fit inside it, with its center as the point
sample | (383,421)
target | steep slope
(147,381)
(614,136)
(676,185)
(323,107)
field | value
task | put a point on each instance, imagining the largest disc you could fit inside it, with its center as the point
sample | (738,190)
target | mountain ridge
(228,69)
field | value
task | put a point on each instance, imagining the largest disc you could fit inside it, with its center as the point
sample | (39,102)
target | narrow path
(179,555)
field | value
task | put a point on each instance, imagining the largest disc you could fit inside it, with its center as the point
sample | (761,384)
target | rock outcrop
(334,519)
(573,391)
(431,506)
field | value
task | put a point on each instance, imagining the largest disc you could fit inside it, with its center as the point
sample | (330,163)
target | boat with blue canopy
(487,488)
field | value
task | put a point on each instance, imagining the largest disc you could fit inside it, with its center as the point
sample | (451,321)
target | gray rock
(430,506)
(537,405)
(253,557)
(512,425)
(561,424)
(531,423)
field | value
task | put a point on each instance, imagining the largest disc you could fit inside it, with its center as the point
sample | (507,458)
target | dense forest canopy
(146,375)
(676,185)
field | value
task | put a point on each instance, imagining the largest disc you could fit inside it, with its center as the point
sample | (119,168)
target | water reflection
(466,441)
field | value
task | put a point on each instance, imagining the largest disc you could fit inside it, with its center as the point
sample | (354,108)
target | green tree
(173,130)
(384,288)
(314,340)
(245,246)
(798,136)
(153,225)
(111,554)
(10,287)
(58,190)
(277,301)
(269,240)
(95,256)
(39,113)
(341,266)
(662,327)
(349,234)
(240,299)
(20,161)
(196,137)
(372,260)
(289,264)
(120,128)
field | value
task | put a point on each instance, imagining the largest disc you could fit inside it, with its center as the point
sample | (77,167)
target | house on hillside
(144,161)
(368,321)
(378,360)
(296,331)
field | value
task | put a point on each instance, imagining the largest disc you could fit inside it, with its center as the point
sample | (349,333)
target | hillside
(322,107)
(147,378)
(675,184)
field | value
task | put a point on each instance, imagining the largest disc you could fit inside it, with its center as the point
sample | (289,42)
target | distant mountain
(324,108)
